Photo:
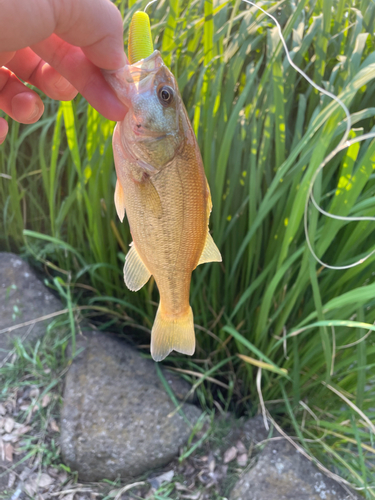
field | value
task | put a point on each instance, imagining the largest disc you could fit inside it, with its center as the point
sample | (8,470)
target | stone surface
(253,430)
(115,418)
(281,473)
(23,297)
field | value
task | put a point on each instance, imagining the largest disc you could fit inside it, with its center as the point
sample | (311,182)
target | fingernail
(36,111)
(62,84)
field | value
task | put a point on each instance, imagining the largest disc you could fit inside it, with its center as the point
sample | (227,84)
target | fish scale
(163,190)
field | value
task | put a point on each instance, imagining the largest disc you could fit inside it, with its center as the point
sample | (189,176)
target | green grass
(263,132)
(41,368)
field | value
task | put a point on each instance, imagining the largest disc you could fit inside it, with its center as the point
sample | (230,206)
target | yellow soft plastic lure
(140,43)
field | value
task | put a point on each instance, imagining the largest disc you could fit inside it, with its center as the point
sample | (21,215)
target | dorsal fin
(209,201)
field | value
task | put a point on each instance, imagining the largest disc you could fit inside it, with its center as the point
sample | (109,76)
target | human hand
(58,46)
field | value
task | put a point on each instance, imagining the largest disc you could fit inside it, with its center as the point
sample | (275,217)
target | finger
(3,130)
(23,23)
(32,69)
(71,62)
(5,57)
(52,83)
(94,25)
(18,101)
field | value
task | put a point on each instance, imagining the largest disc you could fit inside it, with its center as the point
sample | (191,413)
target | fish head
(152,131)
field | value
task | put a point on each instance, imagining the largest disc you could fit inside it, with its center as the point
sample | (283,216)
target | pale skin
(60,47)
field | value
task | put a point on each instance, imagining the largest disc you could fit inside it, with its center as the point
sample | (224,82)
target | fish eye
(165,95)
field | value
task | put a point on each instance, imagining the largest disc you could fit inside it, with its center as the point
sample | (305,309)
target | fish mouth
(148,64)
(146,133)
(126,80)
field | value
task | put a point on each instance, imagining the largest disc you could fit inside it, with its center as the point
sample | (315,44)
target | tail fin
(170,334)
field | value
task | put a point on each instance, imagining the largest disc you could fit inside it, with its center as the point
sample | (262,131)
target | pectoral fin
(136,273)
(150,197)
(210,251)
(119,201)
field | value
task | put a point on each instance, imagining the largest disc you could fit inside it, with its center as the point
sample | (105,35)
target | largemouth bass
(162,188)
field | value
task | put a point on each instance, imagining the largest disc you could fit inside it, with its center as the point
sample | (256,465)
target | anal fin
(136,273)
(210,251)
(119,201)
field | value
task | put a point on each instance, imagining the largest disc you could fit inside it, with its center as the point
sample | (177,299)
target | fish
(162,188)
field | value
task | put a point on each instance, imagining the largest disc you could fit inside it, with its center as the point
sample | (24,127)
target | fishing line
(343,144)
(148,5)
